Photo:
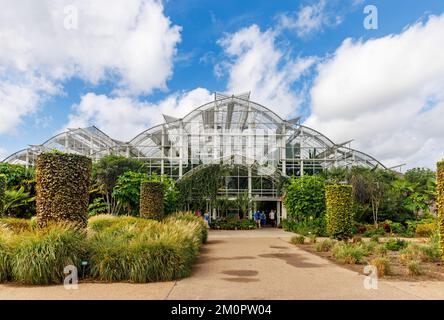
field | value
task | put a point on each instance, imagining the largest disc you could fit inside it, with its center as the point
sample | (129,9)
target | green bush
(2,193)
(396,227)
(233,224)
(62,188)
(151,200)
(307,227)
(374,232)
(40,256)
(304,198)
(339,214)
(395,244)
(298,239)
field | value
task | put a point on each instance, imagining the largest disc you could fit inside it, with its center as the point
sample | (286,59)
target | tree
(105,174)
(127,191)
(244,203)
(305,197)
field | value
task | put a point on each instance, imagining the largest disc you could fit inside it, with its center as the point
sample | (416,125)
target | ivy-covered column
(440,201)
(151,200)
(62,188)
(339,212)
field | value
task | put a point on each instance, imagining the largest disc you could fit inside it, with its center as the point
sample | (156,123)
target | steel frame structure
(231,130)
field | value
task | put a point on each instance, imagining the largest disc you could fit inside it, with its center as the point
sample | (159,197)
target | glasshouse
(256,146)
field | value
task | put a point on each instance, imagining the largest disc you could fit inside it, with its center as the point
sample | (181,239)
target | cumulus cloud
(124,117)
(310,19)
(257,64)
(131,43)
(387,94)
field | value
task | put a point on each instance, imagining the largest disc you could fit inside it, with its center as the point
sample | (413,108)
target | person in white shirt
(272,218)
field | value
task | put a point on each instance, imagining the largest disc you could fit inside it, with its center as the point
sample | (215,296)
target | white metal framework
(230,130)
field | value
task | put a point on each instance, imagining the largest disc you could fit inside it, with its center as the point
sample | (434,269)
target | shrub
(374,232)
(298,240)
(396,227)
(17,225)
(40,256)
(62,188)
(348,253)
(151,200)
(440,204)
(325,245)
(233,224)
(2,193)
(425,229)
(382,265)
(426,253)
(304,197)
(339,203)
(395,244)
(414,268)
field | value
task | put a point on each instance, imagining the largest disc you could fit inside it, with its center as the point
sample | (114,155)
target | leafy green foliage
(14,199)
(304,198)
(62,188)
(440,203)
(98,206)
(151,200)
(395,244)
(307,227)
(339,212)
(233,223)
(127,191)
(106,172)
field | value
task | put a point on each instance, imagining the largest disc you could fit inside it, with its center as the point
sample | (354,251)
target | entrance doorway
(266,207)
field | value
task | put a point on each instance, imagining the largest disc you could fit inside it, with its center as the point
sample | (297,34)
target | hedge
(62,188)
(2,193)
(151,200)
(440,194)
(339,212)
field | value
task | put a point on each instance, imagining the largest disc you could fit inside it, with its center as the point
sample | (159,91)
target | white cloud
(310,19)
(123,118)
(387,94)
(129,42)
(259,66)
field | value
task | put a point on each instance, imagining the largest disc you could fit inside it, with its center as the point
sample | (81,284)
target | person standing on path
(257,219)
(272,217)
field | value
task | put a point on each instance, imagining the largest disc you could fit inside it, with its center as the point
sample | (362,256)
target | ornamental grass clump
(298,239)
(40,256)
(143,250)
(17,225)
(5,254)
(2,193)
(325,245)
(382,265)
(348,253)
(339,213)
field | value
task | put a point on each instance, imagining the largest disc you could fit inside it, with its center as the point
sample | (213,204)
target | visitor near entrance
(257,218)
(272,217)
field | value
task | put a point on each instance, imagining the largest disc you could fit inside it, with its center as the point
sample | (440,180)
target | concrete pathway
(259,264)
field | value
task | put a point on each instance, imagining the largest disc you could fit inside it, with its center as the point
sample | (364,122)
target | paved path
(259,264)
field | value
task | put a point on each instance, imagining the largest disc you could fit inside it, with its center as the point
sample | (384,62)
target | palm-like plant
(17,198)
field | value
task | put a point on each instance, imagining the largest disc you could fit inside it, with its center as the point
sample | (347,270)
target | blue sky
(120,66)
